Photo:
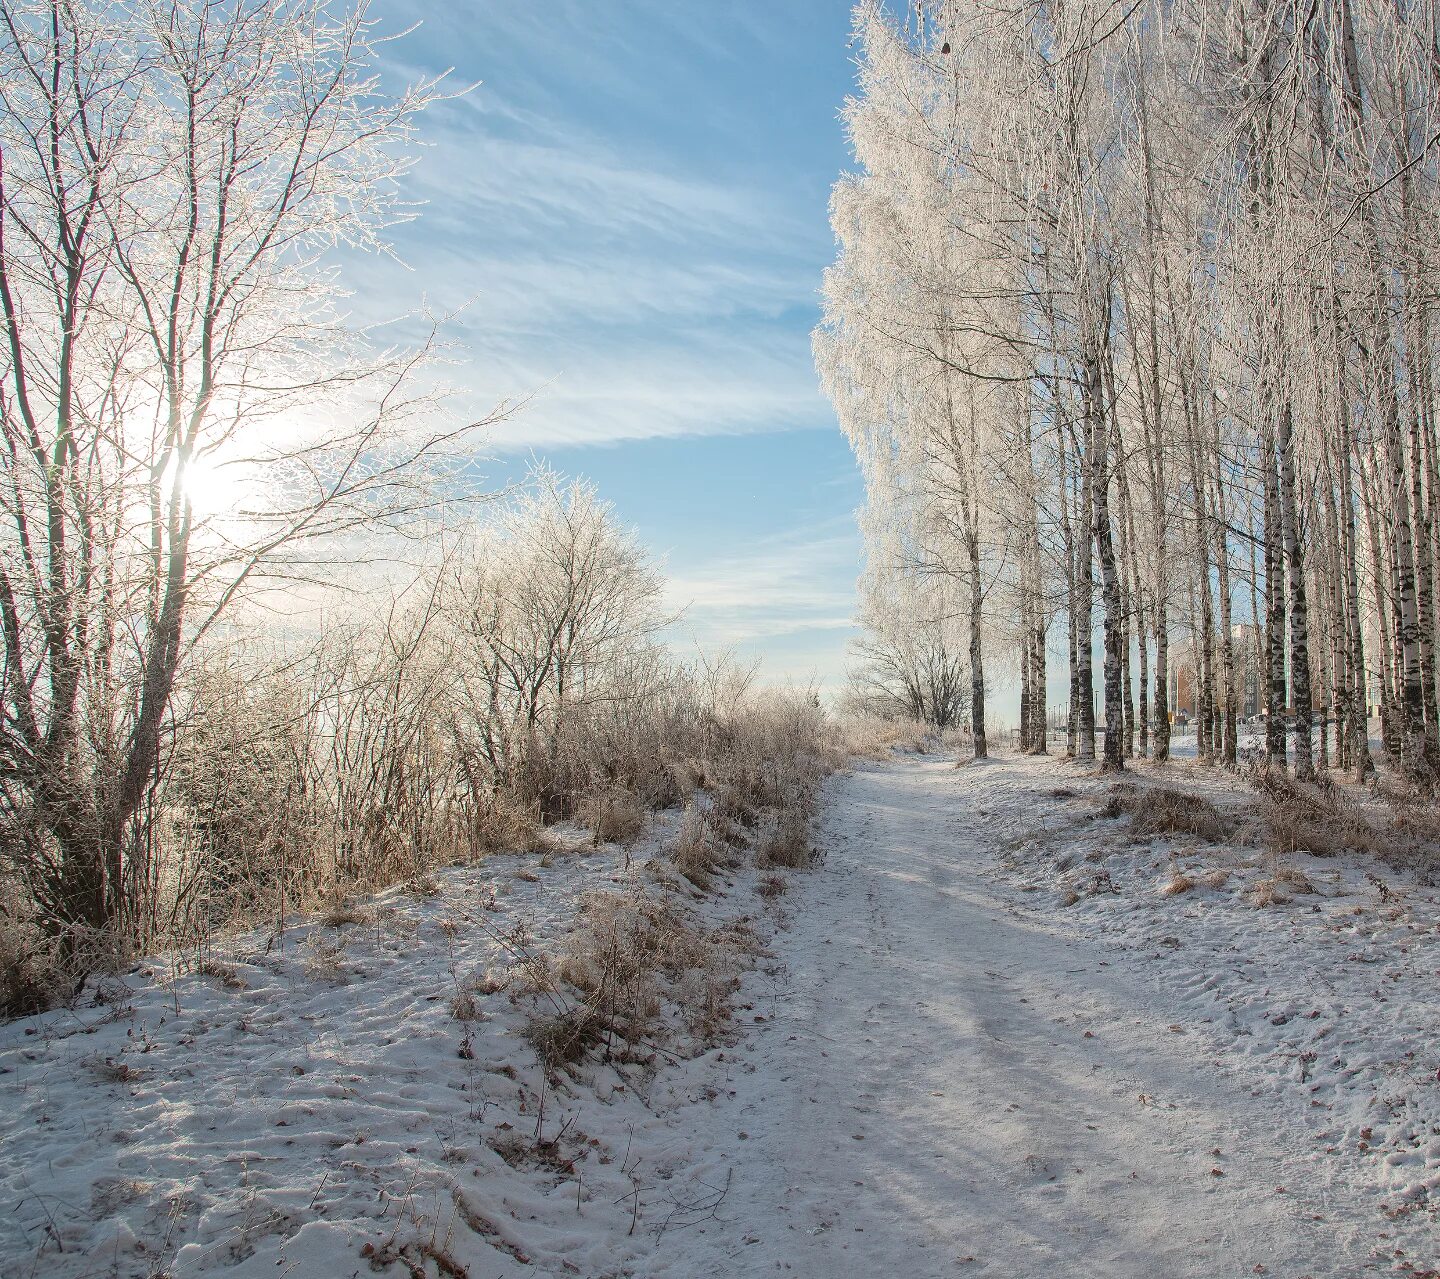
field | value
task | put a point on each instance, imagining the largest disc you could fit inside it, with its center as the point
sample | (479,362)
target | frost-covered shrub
(635,970)
(1163,810)
(1310,817)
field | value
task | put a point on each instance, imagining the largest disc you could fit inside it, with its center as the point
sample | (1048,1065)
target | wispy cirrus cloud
(630,288)
(799,583)
(627,222)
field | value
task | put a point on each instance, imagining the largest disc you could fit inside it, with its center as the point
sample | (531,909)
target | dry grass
(699,849)
(1163,810)
(772,886)
(1265,892)
(325,959)
(1178,883)
(464,1006)
(1297,881)
(614,817)
(787,844)
(340,909)
(32,977)
(639,966)
(115,1070)
(563,1038)
(421,884)
(469,990)
(1310,817)
(226,974)
(1413,841)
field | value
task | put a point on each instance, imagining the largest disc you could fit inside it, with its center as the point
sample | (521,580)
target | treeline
(1130,329)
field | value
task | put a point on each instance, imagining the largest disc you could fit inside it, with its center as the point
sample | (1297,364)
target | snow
(937,1068)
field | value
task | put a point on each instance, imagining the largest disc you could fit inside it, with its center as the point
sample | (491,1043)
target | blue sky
(632,211)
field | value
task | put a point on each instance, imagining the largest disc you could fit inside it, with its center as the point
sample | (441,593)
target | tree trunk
(1299,606)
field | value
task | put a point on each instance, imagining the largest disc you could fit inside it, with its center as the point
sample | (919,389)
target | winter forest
(1130,332)
(655,643)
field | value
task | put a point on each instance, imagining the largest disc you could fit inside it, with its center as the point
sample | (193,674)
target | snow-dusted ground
(938,1070)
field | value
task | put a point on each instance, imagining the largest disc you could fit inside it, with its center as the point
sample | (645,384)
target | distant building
(1183,688)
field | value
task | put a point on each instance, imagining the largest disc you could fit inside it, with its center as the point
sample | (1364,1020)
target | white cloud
(477,181)
(629,302)
(795,584)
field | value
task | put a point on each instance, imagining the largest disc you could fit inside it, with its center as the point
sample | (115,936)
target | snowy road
(950,1087)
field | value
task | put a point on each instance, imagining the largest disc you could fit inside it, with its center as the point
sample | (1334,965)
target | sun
(212,488)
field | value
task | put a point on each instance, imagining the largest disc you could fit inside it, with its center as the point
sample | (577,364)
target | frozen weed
(469,990)
(772,886)
(464,1006)
(339,909)
(634,965)
(325,959)
(1266,892)
(1163,810)
(32,975)
(1311,817)
(787,843)
(614,817)
(226,974)
(1295,880)
(697,851)
(114,1070)
(421,884)
(1178,883)
(563,1038)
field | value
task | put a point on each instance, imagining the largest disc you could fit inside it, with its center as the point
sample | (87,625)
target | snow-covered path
(952,1086)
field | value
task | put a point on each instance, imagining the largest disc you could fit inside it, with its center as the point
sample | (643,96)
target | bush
(31,972)
(698,850)
(562,1039)
(614,817)
(787,844)
(631,956)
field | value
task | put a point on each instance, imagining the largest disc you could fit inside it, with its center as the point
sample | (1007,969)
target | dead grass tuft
(340,909)
(698,851)
(1413,839)
(464,1006)
(1178,883)
(325,959)
(505,825)
(115,1070)
(641,968)
(563,1038)
(1297,881)
(39,968)
(1313,817)
(787,844)
(1164,810)
(421,884)
(1266,892)
(772,886)
(614,817)
(226,974)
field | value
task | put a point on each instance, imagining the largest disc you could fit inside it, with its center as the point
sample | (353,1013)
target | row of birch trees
(1130,331)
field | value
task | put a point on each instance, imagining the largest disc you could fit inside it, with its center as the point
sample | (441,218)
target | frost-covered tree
(184,415)
(1174,264)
